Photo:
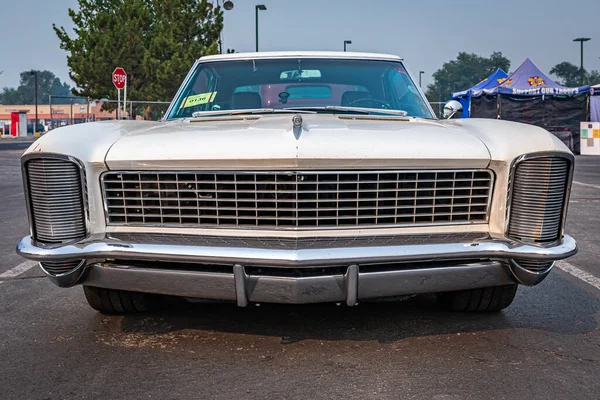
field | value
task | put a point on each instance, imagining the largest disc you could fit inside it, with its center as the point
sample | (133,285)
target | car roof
(300,54)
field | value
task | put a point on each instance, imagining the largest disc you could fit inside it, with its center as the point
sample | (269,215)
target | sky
(426,33)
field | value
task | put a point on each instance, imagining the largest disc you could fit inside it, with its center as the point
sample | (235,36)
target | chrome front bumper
(349,287)
(487,262)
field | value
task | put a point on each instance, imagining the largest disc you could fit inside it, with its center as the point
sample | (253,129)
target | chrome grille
(534,265)
(537,199)
(56,200)
(59,268)
(297,200)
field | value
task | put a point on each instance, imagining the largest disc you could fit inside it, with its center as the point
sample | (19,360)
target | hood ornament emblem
(297,125)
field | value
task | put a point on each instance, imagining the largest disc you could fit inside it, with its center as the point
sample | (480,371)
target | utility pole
(420,75)
(35,73)
(581,40)
(51,121)
(228,6)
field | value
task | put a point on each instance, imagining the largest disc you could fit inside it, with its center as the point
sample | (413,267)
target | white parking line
(586,184)
(579,274)
(18,270)
(14,195)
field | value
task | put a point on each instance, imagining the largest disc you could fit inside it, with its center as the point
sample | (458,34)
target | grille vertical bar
(56,200)
(297,199)
(537,199)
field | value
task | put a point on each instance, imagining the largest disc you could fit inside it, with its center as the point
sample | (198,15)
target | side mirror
(452,109)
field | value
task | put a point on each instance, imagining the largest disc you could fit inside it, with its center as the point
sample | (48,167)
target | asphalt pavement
(545,346)
(15,144)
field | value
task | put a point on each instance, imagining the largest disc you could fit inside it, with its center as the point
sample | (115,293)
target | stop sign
(119,78)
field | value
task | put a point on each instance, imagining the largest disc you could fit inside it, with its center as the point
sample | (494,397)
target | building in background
(60,115)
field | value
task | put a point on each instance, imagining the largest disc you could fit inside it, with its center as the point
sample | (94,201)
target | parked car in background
(39,128)
(298,177)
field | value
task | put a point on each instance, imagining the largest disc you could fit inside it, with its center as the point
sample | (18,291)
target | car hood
(271,141)
(323,141)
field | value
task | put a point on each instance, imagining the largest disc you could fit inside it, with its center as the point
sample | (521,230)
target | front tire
(110,301)
(488,299)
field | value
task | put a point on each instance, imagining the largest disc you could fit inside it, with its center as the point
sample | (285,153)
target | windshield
(321,85)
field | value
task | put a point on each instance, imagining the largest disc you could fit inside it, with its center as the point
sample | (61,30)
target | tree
(48,84)
(155,41)
(464,72)
(593,77)
(569,75)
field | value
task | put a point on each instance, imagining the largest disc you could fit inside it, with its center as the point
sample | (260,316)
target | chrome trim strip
(298,243)
(569,157)
(84,190)
(114,249)
(491,173)
(183,84)
(316,289)
(327,55)
(306,172)
(420,89)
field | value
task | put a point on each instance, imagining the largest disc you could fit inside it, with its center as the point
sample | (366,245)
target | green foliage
(569,74)
(464,72)
(155,41)
(48,84)
(593,77)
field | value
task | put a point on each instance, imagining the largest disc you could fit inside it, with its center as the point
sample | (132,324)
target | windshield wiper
(350,110)
(250,111)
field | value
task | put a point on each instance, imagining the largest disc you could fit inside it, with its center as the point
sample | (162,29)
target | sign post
(125,98)
(119,78)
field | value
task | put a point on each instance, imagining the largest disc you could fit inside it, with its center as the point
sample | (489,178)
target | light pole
(347,42)
(420,74)
(35,73)
(258,7)
(581,40)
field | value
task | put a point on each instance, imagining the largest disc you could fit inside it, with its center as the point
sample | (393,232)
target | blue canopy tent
(529,81)
(491,81)
(530,96)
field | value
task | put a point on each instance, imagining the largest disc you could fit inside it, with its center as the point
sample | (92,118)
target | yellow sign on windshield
(198,99)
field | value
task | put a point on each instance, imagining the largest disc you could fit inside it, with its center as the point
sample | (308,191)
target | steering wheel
(379,103)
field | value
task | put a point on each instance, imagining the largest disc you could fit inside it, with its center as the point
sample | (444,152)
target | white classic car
(298,177)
